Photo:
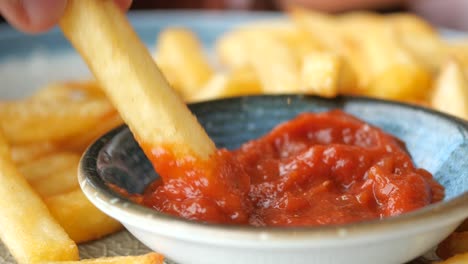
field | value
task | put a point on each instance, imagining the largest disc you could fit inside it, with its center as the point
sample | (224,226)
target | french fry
(31,121)
(456,243)
(240,81)
(402,82)
(150,258)
(232,48)
(334,38)
(327,74)
(26,227)
(29,152)
(274,63)
(451,91)
(60,181)
(393,70)
(322,27)
(81,220)
(42,168)
(378,55)
(420,38)
(361,50)
(81,141)
(69,91)
(300,42)
(154,112)
(458,50)
(181,54)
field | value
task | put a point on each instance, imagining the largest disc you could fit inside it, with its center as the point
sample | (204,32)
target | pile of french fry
(44,212)
(398,57)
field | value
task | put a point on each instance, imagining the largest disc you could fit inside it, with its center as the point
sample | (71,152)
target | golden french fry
(81,141)
(327,74)
(420,38)
(60,181)
(26,227)
(386,56)
(380,44)
(171,75)
(451,91)
(31,121)
(458,50)
(69,91)
(361,50)
(401,82)
(182,55)
(44,167)
(322,27)
(456,243)
(240,81)
(29,152)
(335,38)
(131,79)
(348,81)
(150,258)
(300,42)
(81,220)
(378,56)
(232,48)
(274,63)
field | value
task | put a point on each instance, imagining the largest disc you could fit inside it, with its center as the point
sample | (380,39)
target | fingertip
(124,4)
(44,14)
(14,13)
(33,16)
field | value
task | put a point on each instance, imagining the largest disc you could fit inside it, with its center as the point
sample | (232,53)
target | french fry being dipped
(126,71)
(166,130)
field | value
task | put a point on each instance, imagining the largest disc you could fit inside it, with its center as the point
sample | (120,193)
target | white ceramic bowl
(435,141)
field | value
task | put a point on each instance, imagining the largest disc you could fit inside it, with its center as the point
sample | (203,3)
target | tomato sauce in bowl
(317,169)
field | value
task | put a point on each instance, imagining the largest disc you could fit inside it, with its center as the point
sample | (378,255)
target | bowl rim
(128,212)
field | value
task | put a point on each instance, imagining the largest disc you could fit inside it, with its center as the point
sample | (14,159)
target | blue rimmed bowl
(437,142)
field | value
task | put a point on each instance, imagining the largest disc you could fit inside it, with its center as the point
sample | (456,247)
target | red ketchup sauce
(317,169)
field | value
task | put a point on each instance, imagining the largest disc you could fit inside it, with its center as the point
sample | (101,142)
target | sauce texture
(317,169)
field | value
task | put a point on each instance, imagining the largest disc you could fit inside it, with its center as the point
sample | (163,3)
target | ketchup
(317,169)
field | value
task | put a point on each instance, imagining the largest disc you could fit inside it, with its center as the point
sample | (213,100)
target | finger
(35,16)
(123,4)
(32,16)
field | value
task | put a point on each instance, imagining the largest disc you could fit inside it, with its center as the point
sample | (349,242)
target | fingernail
(43,14)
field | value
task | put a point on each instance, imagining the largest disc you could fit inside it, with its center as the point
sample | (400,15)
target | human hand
(34,16)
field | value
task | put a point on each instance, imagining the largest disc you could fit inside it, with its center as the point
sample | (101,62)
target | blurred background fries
(396,56)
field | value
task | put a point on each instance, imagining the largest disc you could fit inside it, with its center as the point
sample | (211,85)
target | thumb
(32,16)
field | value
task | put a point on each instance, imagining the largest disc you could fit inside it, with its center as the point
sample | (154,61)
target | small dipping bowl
(436,142)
